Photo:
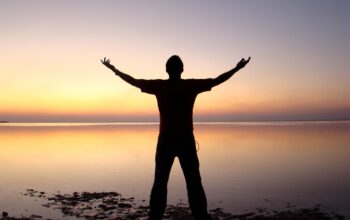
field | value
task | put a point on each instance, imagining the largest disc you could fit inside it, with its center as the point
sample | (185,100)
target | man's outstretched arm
(129,79)
(225,76)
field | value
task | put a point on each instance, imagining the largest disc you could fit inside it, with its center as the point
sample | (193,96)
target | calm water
(243,165)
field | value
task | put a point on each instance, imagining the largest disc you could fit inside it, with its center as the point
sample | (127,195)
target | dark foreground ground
(111,205)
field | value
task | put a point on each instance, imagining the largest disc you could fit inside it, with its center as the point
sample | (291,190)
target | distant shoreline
(157,122)
(244,123)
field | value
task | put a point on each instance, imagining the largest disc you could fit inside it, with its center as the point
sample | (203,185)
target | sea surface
(243,165)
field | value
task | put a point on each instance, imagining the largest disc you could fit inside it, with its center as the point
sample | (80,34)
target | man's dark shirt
(175,101)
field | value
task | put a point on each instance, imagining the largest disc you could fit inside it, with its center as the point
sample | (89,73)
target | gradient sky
(50,51)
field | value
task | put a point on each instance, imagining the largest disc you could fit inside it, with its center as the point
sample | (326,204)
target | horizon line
(157,122)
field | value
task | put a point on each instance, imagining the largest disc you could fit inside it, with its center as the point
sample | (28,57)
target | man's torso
(175,101)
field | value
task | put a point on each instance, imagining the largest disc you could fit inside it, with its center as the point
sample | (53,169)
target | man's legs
(190,166)
(164,161)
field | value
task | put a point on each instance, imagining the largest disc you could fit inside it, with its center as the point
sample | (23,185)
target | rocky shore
(112,205)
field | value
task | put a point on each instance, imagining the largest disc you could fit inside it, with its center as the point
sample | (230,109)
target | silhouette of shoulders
(158,86)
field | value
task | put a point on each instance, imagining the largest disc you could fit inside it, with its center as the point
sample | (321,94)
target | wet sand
(112,205)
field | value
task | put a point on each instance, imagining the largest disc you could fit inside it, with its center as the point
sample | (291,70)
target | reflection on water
(243,165)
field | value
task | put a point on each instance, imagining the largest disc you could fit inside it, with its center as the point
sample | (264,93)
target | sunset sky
(50,51)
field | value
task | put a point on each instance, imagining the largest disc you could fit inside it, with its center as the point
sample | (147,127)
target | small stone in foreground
(124,205)
(4,214)
(35,216)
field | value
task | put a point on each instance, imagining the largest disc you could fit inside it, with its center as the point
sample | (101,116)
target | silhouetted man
(176,97)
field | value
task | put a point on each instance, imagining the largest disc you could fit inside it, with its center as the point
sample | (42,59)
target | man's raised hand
(107,63)
(242,63)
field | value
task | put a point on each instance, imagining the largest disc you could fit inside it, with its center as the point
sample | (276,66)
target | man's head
(174,66)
